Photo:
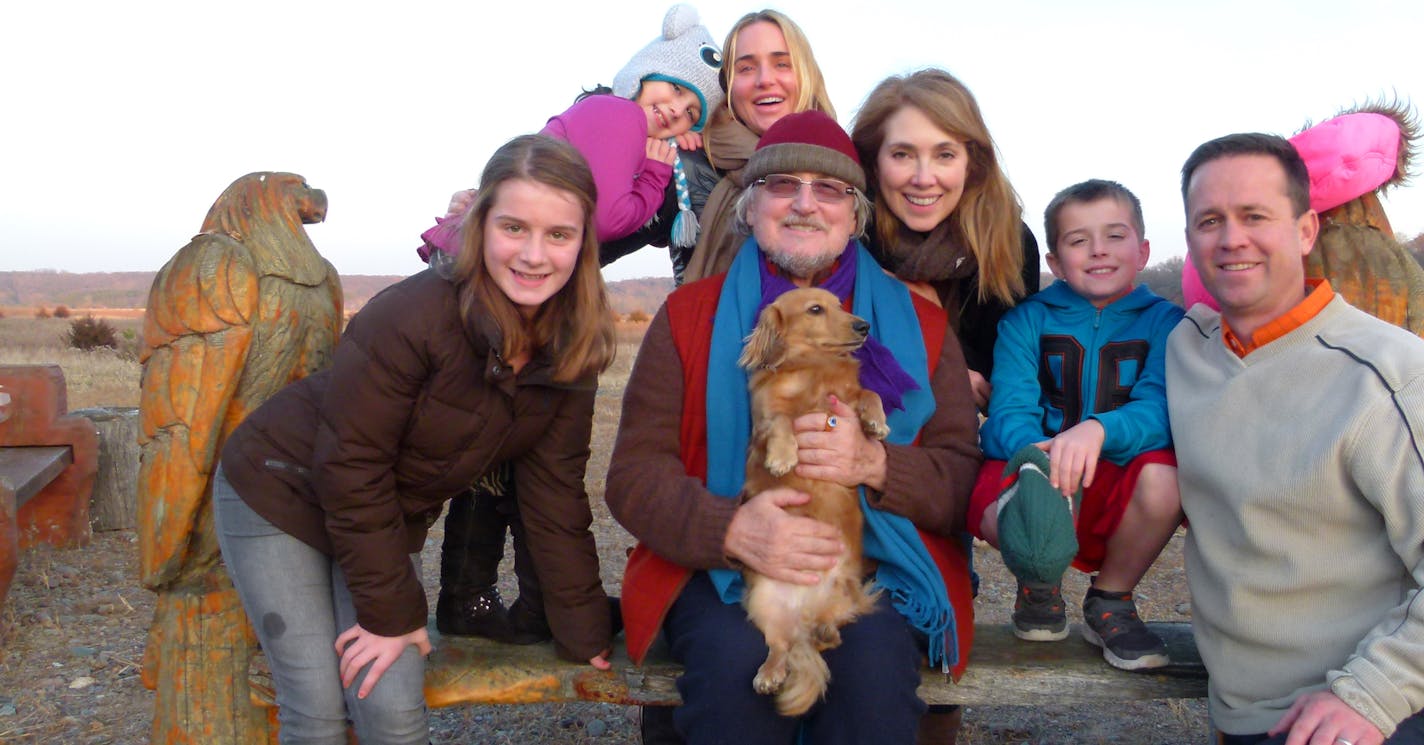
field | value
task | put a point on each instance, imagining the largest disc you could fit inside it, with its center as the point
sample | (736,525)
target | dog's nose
(861,327)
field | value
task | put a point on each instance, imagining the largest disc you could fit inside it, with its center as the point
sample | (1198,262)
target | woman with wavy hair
(768,71)
(326,492)
(947,221)
(948,224)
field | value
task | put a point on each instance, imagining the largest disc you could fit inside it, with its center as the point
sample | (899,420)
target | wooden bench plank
(1002,671)
(24,471)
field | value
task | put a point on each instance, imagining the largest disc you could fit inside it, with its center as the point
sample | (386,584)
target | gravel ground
(73,631)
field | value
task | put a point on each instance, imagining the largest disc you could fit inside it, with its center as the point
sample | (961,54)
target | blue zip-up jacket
(1059,361)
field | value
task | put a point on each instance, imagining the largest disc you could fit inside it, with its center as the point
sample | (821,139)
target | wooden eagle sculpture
(1356,249)
(245,308)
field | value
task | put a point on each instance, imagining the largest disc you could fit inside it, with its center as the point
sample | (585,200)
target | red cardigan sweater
(651,582)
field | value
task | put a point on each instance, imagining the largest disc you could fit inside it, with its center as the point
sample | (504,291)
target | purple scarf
(879,371)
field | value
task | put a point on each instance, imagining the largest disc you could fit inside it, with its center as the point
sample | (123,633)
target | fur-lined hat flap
(1348,156)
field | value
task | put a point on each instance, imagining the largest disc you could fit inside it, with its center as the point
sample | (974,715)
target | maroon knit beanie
(808,141)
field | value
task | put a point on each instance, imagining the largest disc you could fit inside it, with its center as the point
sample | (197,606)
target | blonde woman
(768,71)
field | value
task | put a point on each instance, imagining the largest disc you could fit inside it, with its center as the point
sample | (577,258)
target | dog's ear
(764,346)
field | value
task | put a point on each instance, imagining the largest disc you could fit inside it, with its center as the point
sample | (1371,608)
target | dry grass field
(99,377)
(72,630)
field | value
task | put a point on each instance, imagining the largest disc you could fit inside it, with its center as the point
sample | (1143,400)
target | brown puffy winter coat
(358,460)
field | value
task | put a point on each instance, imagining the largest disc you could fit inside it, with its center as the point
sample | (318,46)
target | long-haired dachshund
(799,355)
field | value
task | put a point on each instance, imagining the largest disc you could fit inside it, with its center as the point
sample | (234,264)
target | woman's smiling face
(764,85)
(921,168)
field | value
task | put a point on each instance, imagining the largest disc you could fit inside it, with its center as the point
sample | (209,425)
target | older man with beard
(679,462)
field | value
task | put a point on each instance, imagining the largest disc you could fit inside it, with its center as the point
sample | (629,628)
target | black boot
(528,624)
(469,604)
(476,615)
(940,725)
(657,728)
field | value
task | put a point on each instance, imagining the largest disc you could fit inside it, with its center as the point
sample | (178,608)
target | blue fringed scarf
(906,571)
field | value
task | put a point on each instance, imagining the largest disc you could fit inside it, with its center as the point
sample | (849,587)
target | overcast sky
(120,123)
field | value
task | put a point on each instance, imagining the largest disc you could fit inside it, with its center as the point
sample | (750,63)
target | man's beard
(803,266)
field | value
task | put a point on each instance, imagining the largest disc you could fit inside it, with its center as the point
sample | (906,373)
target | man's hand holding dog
(841,454)
(779,545)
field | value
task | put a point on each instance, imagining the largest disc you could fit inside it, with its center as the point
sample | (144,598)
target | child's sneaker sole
(1145,662)
(1041,635)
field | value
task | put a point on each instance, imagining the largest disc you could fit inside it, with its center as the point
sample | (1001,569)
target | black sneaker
(1038,613)
(1110,622)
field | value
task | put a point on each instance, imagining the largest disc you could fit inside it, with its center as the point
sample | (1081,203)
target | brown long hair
(812,93)
(575,326)
(988,218)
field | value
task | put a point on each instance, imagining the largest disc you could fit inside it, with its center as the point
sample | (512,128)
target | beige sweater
(1303,479)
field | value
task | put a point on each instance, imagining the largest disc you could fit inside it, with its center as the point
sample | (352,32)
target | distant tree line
(1165,277)
(1415,246)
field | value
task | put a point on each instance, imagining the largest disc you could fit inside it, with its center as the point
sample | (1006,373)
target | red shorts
(1103,503)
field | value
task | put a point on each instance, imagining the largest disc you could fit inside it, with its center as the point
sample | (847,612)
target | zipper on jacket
(281,465)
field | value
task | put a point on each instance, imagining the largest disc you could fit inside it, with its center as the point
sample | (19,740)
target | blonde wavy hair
(988,218)
(575,326)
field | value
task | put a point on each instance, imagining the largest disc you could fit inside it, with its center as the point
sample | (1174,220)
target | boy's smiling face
(1099,252)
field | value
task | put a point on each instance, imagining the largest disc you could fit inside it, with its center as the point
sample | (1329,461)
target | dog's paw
(872,416)
(826,636)
(875,429)
(780,456)
(769,678)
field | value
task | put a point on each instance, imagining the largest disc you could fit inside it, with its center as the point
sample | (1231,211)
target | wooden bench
(48,460)
(24,472)
(1002,671)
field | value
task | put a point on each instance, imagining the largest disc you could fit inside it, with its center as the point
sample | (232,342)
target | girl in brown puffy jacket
(326,492)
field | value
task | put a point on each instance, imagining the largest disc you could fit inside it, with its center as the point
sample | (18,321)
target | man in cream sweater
(1299,426)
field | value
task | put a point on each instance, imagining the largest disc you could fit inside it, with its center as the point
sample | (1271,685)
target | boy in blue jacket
(1079,413)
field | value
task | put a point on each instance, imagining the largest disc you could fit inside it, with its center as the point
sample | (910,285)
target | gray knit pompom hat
(685,54)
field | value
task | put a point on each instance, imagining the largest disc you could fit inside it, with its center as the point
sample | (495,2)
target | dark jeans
(871,698)
(1409,732)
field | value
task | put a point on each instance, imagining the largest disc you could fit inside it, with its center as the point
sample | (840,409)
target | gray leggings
(297,600)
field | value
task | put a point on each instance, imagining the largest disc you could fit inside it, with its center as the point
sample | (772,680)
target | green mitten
(1036,535)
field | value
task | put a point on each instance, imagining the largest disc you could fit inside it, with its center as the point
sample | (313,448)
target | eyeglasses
(825,190)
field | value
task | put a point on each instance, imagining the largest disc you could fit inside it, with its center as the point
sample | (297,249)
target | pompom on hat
(1348,156)
(809,141)
(684,55)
